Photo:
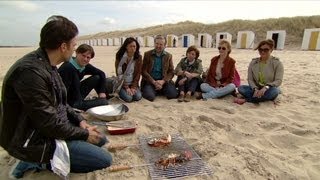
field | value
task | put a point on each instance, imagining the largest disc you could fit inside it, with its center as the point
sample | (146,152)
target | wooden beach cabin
(278,37)
(187,40)
(204,40)
(223,35)
(148,41)
(172,40)
(245,40)
(311,39)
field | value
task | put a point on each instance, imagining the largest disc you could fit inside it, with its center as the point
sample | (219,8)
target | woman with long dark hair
(128,69)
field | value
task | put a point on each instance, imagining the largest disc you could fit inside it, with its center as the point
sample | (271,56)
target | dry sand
(266,141)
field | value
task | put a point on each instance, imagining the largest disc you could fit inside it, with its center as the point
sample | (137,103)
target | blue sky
(21,21)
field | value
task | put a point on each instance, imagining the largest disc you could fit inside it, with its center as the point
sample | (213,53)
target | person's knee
(242,89)
(148,96)
(106,160)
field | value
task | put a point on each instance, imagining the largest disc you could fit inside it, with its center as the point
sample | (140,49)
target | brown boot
(187,98)
(181,98)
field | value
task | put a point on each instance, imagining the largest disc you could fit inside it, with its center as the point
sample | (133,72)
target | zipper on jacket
(28,140)
(44,149)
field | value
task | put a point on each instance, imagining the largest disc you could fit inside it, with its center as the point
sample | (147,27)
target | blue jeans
(211,92)
(247,92)
(168,89)
(127,98)
(84,157)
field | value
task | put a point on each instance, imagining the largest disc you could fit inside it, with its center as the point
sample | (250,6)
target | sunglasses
(223,48)
(263,50)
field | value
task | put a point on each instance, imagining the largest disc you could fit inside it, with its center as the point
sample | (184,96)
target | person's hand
(133,91)
(261,92)
(255,94)
(84,125)
(102,95)
(129,91)
(159,84)
(94,135)
(188,75)
(182,81)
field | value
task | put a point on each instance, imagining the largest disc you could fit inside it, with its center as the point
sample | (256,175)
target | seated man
(157,72)
(35,119)
(72,73)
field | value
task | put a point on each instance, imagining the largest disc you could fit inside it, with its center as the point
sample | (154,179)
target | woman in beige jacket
(265,75)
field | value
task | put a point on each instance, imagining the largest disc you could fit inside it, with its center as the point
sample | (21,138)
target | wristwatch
(267,87)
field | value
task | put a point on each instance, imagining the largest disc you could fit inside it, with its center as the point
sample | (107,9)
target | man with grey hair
(158,71)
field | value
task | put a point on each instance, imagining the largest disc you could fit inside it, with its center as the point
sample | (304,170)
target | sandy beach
(267,141)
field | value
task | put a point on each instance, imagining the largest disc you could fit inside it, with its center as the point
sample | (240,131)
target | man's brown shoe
(187,98)
(181,98)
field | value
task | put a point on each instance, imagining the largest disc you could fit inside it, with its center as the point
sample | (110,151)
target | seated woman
(128,69)
(73,72)
(265,74)
(219,80)
(188,71)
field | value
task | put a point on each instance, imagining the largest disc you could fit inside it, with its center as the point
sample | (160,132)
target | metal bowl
(111,112)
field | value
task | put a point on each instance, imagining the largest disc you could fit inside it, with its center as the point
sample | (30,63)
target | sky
(21,21)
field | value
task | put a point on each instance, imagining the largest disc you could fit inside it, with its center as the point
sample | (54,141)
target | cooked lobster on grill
(160,142)
(173,159)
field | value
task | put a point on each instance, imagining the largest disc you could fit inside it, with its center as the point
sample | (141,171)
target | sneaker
(20,167)
(187,98)
(181,98)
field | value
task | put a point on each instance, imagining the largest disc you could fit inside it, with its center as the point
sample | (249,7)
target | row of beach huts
(245,40)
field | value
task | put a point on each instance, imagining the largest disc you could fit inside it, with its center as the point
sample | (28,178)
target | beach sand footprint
(228,110)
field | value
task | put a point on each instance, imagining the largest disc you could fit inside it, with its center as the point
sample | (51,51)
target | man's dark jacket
(29,118)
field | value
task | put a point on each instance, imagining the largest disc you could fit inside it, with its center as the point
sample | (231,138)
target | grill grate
(194,167)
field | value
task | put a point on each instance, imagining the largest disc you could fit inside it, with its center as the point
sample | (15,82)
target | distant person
(128,69)
(174,42)
(265,74)
(188,71)
(157,72)
(220,75)
(35,119)
(78,88)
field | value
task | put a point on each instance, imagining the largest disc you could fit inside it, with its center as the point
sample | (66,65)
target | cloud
(22,5)
(108,20)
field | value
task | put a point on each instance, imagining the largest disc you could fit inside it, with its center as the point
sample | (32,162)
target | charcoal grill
(194,167)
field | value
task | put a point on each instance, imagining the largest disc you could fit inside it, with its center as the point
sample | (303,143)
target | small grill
(194,167)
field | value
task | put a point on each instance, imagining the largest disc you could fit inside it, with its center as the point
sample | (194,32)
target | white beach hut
(140,40)
(116,41)
(109,42)
(122,39)
(99,42)
(172,40)
(148,41)
(278,37)
(311,39)
(204,40)
(223,35)
(187,40)
(104,42)
(245,40)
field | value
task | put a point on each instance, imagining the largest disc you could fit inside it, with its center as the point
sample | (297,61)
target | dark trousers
(86,87)
(189,85)
(168,89)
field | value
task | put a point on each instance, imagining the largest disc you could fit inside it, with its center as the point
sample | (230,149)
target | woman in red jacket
(219,80)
